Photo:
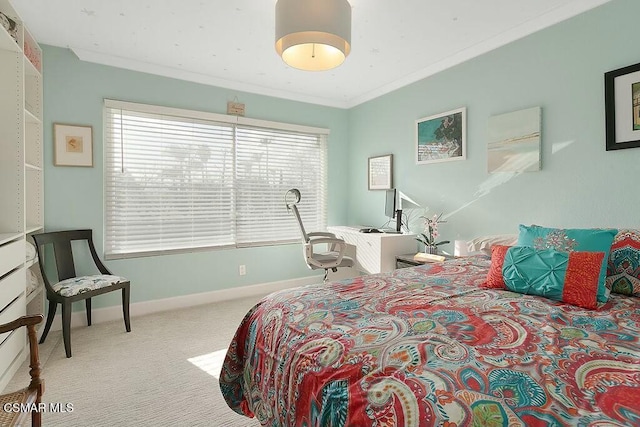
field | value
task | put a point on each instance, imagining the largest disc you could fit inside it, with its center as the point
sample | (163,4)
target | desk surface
(356,229)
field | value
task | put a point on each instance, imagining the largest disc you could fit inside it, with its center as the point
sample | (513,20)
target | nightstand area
(407,260)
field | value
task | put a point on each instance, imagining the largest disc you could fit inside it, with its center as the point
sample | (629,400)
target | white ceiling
(230,43)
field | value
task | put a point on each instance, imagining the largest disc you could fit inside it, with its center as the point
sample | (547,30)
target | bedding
(428,346)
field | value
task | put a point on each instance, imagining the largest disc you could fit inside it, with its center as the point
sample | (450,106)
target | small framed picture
(622,107)
(441,137)
(381,172)
(73,145)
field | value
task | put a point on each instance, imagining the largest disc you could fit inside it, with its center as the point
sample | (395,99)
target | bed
(429,345)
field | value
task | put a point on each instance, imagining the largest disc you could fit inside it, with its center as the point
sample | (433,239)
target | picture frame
(514,141)
(380,172)
(73,145)
(622,107)
(441,137)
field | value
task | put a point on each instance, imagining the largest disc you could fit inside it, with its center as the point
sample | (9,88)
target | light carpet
(163,373)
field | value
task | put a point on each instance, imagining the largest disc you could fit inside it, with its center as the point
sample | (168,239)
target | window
(179,180)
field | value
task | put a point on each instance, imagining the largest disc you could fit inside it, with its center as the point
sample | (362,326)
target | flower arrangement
(430,234)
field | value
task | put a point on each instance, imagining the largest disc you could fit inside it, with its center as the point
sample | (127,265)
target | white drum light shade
(313,35)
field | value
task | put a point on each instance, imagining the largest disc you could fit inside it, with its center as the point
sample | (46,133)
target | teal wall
(560,69)
(74,93)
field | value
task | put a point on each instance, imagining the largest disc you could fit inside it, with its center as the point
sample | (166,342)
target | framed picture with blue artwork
(622,107)
(441,137)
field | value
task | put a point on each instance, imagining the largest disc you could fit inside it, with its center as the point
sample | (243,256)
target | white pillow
(30,251)
(483,244)
(32,281)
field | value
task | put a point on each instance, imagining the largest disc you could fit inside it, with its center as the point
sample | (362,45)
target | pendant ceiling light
(313,35)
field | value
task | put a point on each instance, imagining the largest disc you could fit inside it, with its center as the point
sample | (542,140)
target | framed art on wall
(622,107)
(380,174)
(441,137)
(513,143)
(73,145)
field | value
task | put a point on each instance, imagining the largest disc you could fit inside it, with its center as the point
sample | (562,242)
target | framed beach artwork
(622,107)
(73,145)
(514,141)
(441,137)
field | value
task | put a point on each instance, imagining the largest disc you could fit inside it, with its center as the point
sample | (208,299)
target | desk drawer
(349,238)
(368,254)
(12,255)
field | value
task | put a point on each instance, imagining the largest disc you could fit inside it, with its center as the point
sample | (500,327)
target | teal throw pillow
(571,277)
(570,240)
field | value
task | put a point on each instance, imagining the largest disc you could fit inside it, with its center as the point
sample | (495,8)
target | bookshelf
(21,180)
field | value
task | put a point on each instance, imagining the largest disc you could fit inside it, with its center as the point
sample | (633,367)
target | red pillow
(494,278)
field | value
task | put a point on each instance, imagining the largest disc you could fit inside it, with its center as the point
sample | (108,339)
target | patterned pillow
(494,278)
(571,277)
(569,240)
(623,269)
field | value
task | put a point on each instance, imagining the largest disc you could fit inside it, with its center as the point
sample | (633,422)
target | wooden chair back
(63,253)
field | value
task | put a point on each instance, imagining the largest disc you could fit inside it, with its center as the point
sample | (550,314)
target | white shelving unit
(21,182)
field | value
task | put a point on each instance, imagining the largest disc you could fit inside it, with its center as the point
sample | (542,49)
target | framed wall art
(73,145)
(622,107)
(380,174)
(514,141)
(441,137)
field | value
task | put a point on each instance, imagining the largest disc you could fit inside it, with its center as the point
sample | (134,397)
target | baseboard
(107,314)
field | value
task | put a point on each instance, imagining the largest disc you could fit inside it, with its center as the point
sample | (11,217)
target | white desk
(375,252)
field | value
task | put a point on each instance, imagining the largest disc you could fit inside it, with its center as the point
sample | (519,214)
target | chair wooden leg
(34,372)
(125,308)
(66,327)
(87,303)
(36,419)
(52,312)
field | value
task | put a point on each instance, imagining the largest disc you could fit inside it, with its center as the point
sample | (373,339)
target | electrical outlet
(242,269)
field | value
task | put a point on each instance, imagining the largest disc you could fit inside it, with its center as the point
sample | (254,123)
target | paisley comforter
(425,346)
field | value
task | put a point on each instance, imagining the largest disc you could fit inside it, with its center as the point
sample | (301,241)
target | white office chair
(334,258)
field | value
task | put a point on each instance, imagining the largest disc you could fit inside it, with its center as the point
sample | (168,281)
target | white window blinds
(269,163)
(179,180)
